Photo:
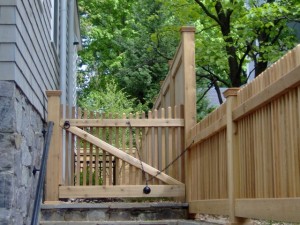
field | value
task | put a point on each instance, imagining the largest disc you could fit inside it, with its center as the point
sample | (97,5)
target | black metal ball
(147,190)
(67,125)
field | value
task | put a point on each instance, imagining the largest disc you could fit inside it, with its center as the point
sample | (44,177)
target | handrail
(42,170)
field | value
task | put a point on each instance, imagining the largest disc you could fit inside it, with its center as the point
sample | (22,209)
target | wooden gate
(109,153)
(117,156)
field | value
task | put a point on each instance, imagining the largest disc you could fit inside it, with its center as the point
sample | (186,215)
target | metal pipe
(42,174)
(63,72)
(71,83)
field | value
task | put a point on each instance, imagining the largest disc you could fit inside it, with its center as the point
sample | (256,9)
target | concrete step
(114,211)
(154,222)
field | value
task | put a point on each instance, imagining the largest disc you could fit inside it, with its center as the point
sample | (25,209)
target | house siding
(25,33)
(29,65)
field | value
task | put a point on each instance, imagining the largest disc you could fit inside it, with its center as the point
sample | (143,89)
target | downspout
(71,80)
(63,74)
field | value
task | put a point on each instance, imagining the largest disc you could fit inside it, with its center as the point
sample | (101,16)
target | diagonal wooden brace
(123,155)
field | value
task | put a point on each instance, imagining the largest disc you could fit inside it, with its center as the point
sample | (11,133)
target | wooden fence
(242,160)
(245,157)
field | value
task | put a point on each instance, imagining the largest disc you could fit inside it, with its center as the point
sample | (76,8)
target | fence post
(53,175)
(189,82)
(232,155)
(189,90)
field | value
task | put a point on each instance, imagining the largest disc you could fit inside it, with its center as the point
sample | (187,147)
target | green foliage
(231,33)
(131,41)
(99,182)
(107,97)
(119,41)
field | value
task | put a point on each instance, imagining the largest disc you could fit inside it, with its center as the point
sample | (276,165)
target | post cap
(187,29)
(53,93)
(231,92)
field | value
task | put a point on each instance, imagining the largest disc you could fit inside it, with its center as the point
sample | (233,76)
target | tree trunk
(260,67)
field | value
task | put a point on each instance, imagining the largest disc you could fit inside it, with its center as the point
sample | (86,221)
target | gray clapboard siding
(7,52)
(8,33)
(27,56)
(20,71)
(8,2)
(7,15)
(7,70)
(33,52)
(39,34)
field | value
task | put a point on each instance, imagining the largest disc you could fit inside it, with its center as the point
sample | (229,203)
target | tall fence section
(242,160)
(245,156)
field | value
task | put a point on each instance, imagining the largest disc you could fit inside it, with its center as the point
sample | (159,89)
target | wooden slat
(206,133)
(175,146)
(104,154)
(163,141)
(150,144)
(73,151)
(282,209)
(117,161)
(97,167)
(215,206)
(124,122)
(122,155)
(110,165)
(276,89)
(143,151)
(170,144)
(181,146)
(123,148)
(138,154)
(91,153)
(131,170)
(155,146)
(122,191)
(78,147)
(84,170)
(297,140)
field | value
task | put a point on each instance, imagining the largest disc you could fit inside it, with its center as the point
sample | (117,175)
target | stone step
(154,222)
(114,211)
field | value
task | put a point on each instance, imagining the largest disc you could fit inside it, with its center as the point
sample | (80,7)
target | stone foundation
(21,145)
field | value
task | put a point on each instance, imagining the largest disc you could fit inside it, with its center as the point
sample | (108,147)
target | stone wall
(21,145)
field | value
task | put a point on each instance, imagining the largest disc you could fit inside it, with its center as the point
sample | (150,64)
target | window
(55,23)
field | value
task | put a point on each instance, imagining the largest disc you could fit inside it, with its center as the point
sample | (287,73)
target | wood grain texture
(122,155)
(121,191)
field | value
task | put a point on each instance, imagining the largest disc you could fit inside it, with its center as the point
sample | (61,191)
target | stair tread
(109,213)
(114,205)
(157,222)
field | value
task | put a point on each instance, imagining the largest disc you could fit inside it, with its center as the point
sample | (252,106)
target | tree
(231,33)
(120,40)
